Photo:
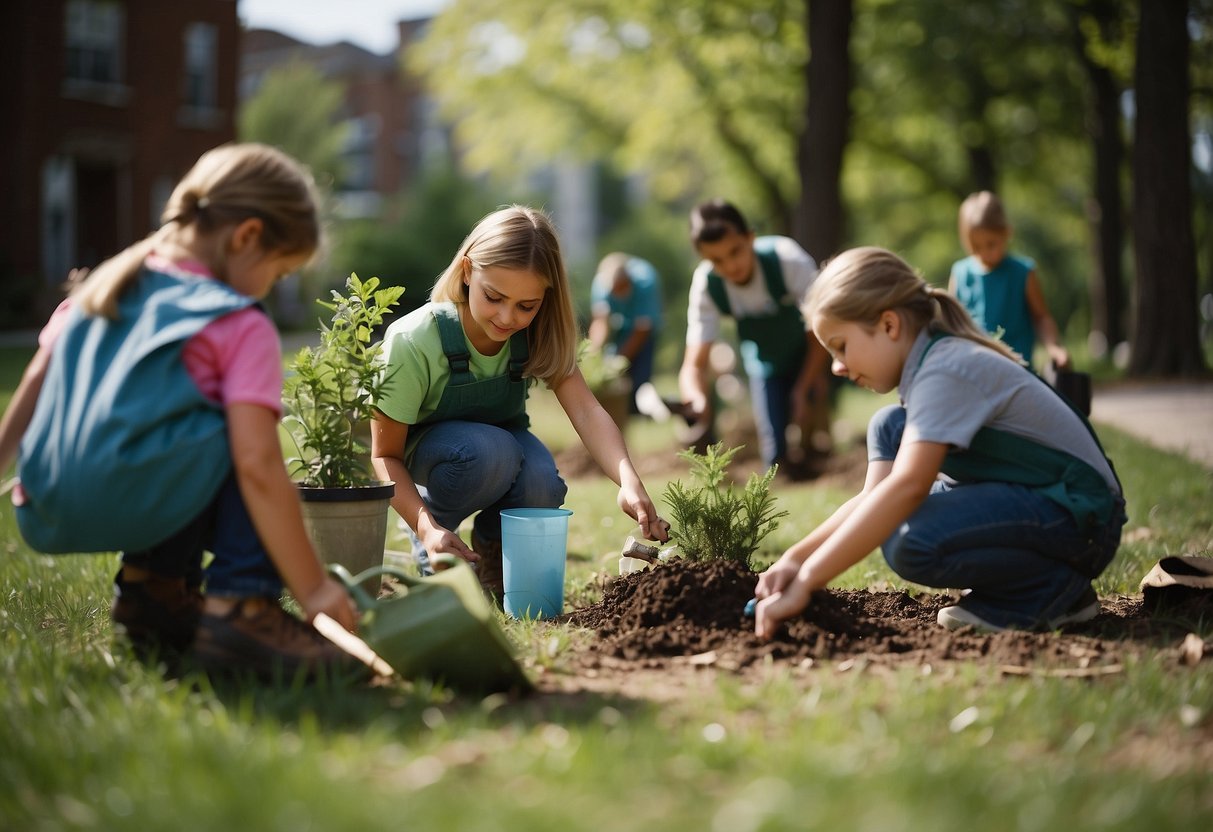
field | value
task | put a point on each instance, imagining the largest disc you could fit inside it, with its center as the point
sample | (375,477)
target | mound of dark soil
(685,611)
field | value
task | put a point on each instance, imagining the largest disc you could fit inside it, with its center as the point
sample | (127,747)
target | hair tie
(203,203)
(926,289)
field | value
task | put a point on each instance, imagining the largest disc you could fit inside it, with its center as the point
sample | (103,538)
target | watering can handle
(353,583)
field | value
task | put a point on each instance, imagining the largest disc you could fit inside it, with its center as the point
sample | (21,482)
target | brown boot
(158,615)
(489,569)
(258,636)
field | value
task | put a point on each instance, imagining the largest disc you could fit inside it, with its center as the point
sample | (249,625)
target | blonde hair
(226,186)
(523,238)
(982,210)
(861,283)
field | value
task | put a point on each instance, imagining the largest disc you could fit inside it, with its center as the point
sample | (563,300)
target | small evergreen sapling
(712,520)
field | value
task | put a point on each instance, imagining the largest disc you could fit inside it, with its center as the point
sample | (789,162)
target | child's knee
(910,561)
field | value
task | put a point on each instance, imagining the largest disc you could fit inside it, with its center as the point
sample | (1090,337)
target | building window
(94,41)
(201,85)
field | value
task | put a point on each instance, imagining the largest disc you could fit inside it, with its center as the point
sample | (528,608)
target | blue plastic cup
(534,542)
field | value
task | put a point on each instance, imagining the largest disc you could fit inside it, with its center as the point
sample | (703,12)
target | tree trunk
(818,223)
(1165,336)
(1105,209)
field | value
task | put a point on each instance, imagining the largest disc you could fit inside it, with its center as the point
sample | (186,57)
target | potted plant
(329,398)
(606,376)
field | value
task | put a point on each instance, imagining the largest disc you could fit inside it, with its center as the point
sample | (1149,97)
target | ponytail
(226,186)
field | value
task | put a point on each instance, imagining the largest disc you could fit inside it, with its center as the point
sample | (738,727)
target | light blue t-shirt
(642,303)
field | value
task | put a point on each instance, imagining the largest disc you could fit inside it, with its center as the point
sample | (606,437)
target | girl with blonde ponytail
(147,423)
(1029,511)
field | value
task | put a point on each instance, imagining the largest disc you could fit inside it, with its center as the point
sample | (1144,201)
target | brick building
(105,104)
(386,108)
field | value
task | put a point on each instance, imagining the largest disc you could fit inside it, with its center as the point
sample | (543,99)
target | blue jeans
(772,402)
(1022,555)
(640,371)
(240,566)
(466,467)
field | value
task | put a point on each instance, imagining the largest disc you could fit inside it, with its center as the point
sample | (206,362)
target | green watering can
(439,627)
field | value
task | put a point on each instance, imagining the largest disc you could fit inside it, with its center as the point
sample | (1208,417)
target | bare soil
(681,617)
(656,631)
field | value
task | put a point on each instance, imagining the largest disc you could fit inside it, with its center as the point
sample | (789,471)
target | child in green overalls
(1031,511)
(452,430)
(760,282)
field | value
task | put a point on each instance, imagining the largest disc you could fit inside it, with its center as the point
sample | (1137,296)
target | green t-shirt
(419,372)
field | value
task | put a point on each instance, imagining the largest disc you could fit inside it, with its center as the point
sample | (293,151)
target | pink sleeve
(54,325)
(238,358)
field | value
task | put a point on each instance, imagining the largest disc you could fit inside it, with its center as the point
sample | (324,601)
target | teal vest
(999,456)
(772,345)
(123,449)
(499,400)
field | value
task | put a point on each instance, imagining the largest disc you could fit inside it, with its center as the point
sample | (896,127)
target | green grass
(91,739)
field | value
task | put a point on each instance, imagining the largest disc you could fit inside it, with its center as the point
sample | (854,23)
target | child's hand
(332,599)
(637,505)
(775,609)
(776,578)
(439,541)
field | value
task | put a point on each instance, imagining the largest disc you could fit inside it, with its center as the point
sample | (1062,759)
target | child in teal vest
(148,423)
(1031,510)
(760,282)
(452,430)
(1000,290)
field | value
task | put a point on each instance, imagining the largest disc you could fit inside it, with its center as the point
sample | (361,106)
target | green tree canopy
(314,134)
(700,92)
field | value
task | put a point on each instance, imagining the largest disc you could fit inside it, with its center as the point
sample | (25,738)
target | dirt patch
(690,614)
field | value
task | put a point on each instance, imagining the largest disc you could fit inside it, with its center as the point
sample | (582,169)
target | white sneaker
(953,618)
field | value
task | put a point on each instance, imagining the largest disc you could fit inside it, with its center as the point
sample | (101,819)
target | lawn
(91,739)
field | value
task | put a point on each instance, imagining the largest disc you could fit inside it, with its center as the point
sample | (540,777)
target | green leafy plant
(602,370)
(330,390)
(713,519)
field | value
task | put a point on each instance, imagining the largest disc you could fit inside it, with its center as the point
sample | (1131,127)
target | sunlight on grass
(92,739)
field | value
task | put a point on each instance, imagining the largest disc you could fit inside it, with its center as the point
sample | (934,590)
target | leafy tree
(314,134)
(699,94)
(419,233)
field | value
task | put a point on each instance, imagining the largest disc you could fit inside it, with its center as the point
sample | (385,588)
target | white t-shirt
(703,316)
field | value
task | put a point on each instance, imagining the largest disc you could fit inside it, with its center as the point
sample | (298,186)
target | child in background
(1032,512)
(453,431)
(148,423)
(761,283)
(1000,290)
(626,313)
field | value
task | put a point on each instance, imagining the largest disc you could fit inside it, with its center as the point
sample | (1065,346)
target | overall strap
(772,270)
(454,346)
(520,353)
(719,296)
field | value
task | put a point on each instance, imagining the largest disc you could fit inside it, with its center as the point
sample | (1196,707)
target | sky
(369,23)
